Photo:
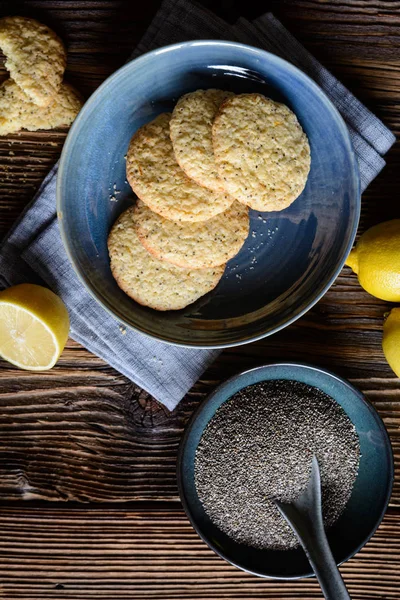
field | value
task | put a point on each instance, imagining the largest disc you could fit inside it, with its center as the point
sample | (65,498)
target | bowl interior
(370,495)
(290,258)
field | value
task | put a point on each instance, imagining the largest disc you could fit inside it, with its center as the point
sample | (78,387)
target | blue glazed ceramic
(290,258)
(367,504)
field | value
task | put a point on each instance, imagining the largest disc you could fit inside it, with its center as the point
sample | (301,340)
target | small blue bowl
(289,259)
(369,499)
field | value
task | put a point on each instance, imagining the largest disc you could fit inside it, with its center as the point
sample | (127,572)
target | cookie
(150,281)
(158,180)
(191,135)
(17,111)
(36,57)
(193,245)
(261,152)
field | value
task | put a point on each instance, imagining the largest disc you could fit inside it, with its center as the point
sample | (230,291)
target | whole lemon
(391,340)
(376,260)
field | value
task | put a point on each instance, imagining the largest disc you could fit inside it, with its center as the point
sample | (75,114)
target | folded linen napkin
(33,251)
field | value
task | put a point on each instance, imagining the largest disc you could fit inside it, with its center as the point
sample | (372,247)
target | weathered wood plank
(142,554)
(83,432)
(339,28)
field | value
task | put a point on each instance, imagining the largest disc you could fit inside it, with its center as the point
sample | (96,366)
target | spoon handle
(304,515)
(315,544)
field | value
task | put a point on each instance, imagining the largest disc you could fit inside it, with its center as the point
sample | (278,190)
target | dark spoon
(304,516)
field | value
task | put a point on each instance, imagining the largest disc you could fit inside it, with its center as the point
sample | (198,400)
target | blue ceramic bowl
(290,258)
(367,504)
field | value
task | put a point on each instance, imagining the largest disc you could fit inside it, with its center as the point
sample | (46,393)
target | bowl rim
(210,397)
(109,84)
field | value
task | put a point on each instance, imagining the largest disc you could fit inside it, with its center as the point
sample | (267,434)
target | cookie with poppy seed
(35,57)
(17,111)
(261,152)
(193,245)
(191,135)
(150,281)
(158,180)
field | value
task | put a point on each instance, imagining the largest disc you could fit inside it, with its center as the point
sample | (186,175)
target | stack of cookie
(195,173)
(35,96)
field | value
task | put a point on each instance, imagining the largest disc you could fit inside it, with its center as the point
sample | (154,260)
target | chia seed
(259,446)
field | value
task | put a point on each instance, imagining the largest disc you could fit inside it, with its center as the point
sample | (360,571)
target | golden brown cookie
(17,111)
(150,281)
(191,135)
(193,245)
(36,57)
(262,153)
(158,180)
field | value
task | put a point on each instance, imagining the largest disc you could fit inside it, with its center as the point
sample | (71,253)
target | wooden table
(89,504)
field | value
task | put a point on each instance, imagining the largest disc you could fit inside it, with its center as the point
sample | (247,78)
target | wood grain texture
(84,433)
(120,554)
(350,28)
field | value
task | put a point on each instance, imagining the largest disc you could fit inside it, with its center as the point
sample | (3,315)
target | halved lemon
(34,326)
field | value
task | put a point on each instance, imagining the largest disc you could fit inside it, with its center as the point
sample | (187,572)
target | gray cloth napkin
(33,250)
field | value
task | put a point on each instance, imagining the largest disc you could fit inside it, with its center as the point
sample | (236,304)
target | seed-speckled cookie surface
(17,111)
(191,135)
(36,57)
(149,281)
(262,153)
(193,245)
(158,180)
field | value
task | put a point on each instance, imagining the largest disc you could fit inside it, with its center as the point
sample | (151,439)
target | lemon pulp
(34,326)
